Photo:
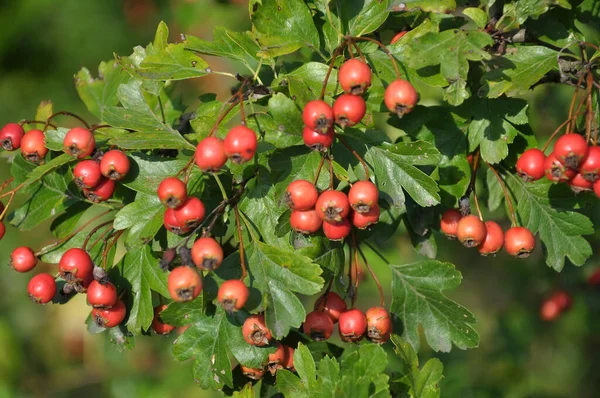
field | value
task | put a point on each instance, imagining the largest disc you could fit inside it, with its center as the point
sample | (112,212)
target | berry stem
(22,122)
(385,49)
(115,238)
(6,183)
(331,176)
(376,251)
(362,56)
(558,129)
(331,63)
(573,100)
(477,205)
(65,113)
(506,195)
(356,278)
(350,290)
(12,196)
(589,114)
(319,170)
(379,287)
(356,155)
(474,167)
(93,231)
(100,126)
(102,235)
(221,187)
(240,238)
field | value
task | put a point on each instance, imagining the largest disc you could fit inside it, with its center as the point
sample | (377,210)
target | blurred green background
(46,351)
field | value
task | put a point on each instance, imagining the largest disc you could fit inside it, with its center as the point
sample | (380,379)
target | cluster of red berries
(332,210)
(353,324)
(13,137)
(572,161)
(239,146)
(488,237)
(184,213)
(555,305)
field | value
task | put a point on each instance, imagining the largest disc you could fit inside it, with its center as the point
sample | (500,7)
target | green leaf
(142,271)
(417,299)
(305,83)
(43,112)
(518,12)
(422,383)
(99,93)
(543,208)
(437,6)
(518,70)
(286,115)
(278,274)
(363,17)
(47,168)
(282,27)
(143,218)
(362,373)
(147,172)
(53,139)
(494,191)
(186,313)
(477,15)
(175,62)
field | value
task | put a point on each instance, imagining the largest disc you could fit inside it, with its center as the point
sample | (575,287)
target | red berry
(301,195)
(318,325)
(362,196)
(184,284)
(349,110)
(157,324)
(398,36)
(22,259)
(101,295)
(306,222)
(365,220)
(471,231)
(289,357)
(276,360)
(519,242)
(87,174)
(2,230)
(449,223)
(210,154)
(171,224)
(331,304)
(252,373)
(571,150)
(191,213)
(240,144)
(255,331)
(110,317)
(400,97)
(494,239)
(337,230)
(549,310)
(233,295)
(115,165)
(563,299)
(207,254)
(172,192)
(556,171)
(354,76)
(33,146)
(594,278)
(332,205)
(41,288)
(76,266)
(11,135)
(318,141)
(590,168)
(101,192)
(530,165)
(352,326)
(318,116)
(580,184)
(79,142)
(379,325)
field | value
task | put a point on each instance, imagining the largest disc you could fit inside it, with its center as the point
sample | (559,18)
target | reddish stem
(65,113)
(93,231)
(115,238)
(506,196)
(356,155)
(379,287)
(319,170)
(336,53)
(22,122)
(385,49)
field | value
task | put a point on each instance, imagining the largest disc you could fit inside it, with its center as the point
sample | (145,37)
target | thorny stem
(379,287)
(506,196)
(331,63)
(356,155)
(22,122)
(319,170)
(65,113)
(93,231)
(115,238)
(239,231)
(385,49)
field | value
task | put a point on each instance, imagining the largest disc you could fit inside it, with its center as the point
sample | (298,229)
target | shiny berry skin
(362,196)
(398,36)
(207,254)
(210,154)
(400,97)
(190,213)
(519,242)
(115,165)
(354,76)
(349,110)
(240,144)
(579,184)
(76,265)
(337,230)
(10,136)
(379,325)
(276,360)
(171,224)
(318,141)
(352,326)
(318,116)
(101,192)
(22,259)
(449,223)
(530,165)
(550,310)
(233,295)
(255,331)
(158,325)
(301,195)
(494,239)
(331,304)
(33,146)
(79,142)
(41,288)
(172,192)
(571,150)
(318,325)
(596,188)
(306,222)
(110,317)
(365,220)
(590,168)
(101,295)
(87,174)
(471,231)
(184,284)
(332,205)
(2,230)
(252,373)
(556,171)
(289,357)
